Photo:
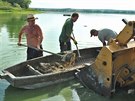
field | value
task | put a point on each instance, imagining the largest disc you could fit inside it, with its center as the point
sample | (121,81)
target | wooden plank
(6,73)
(33,70)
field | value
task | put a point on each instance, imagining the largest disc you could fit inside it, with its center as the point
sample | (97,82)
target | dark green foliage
(22,3)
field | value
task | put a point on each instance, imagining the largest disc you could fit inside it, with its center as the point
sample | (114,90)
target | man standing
(34,37)
(104,35)
(65,35)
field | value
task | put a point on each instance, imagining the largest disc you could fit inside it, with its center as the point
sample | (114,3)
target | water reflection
(50,92)
(13,23)
(67,91)
(10,25)
(89,95)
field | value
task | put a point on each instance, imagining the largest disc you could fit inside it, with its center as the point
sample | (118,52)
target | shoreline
(21,11)
(66,10)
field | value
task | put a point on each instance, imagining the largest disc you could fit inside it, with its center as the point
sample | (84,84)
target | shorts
(32,53)
(64,46)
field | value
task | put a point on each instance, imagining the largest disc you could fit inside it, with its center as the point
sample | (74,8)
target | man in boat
(66,32)
(104,35)
(34,37)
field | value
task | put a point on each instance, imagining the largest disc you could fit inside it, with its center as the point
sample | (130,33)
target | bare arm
(40,35)
(20,35)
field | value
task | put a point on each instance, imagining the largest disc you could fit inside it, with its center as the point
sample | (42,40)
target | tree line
(16,3)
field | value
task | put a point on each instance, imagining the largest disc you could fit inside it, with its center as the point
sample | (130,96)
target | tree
(22,3)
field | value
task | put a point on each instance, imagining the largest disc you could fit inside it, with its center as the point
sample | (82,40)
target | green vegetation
(16,6)
(20,11)
(15,3)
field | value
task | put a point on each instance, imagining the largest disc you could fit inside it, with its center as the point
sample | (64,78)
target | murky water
(51,24)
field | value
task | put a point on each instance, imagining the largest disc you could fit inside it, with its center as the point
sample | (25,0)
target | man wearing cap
(34,37)
(104,35)
(65,35)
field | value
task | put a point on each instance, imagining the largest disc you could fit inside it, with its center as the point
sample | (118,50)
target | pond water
(51,24)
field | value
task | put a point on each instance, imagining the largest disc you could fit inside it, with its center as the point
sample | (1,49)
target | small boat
(47,70)
(66,14)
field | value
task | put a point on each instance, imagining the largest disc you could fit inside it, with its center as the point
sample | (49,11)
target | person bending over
(104,35)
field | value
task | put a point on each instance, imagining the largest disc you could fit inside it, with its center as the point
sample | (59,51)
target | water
(51,24)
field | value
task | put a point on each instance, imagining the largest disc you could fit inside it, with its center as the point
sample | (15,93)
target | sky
(85,4)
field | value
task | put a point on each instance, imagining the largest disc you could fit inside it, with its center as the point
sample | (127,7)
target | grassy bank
(6,6)
(20,11)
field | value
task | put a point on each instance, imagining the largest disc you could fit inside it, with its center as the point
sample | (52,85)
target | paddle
(76,46)
(41,50)
(65,57)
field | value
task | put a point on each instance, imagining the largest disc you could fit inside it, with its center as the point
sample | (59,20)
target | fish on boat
(48,70)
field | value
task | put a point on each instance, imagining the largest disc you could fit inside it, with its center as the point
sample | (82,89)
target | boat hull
(20,76)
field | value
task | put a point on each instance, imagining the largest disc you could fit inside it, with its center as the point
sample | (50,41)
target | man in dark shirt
(65,35)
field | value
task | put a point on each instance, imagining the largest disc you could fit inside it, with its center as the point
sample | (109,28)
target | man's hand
(19,44)
(75,42)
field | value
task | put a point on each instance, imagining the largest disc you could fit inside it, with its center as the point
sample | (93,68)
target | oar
(76,46)
(62,56)
(65,58)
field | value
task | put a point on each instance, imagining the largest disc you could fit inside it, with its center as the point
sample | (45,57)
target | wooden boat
(66,14)
(28,74)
